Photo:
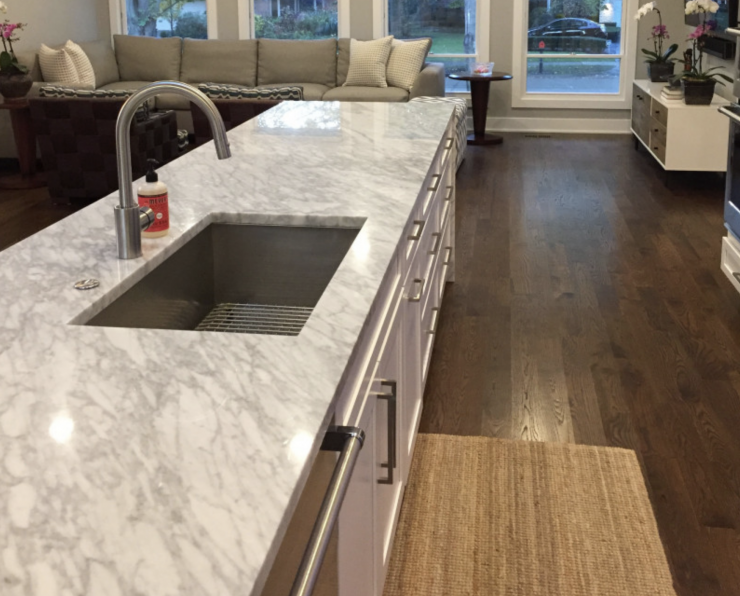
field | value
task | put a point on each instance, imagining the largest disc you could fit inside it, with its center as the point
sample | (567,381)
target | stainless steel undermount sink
(235,278)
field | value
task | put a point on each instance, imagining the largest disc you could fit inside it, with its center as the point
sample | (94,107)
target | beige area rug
(487,517)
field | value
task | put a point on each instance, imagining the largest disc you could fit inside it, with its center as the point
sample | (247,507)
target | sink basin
(235,278)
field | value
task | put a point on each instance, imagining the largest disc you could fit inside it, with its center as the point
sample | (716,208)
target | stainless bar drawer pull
(392,399)
(419,223)
(449,193)
(348,440)
(448,260)
(417,298)
(435,320)
(448,144)
(437,241)
(435,184)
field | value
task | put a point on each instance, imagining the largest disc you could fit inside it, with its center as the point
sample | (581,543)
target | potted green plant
(698,84)
(660,64)
(15,82)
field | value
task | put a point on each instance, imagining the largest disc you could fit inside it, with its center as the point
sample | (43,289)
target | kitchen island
(163,462)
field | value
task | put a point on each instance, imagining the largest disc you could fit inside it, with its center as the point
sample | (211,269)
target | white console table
(680,137)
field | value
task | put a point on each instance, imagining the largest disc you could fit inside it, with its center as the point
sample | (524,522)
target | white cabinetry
(385,386)
(680,137)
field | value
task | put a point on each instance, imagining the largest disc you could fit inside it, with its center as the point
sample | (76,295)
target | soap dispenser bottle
(153,193)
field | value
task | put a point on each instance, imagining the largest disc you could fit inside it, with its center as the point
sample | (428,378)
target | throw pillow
(57,92)
(367,62)
(406,61)
(57,66)
(82,64)
(215,91)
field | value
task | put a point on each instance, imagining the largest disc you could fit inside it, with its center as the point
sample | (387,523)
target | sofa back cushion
(148,58)
(297,61)
(342,60)
(103,61)
(211,60)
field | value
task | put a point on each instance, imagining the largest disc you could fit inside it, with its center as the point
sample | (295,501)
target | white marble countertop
(162,463)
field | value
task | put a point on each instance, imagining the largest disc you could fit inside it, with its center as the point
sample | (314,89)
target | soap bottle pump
(154,194)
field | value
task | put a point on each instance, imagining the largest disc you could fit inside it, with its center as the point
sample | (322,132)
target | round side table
(480,85)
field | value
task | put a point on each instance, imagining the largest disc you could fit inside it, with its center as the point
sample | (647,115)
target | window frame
(119,18)
(245,17)
(482,34)
(521,98)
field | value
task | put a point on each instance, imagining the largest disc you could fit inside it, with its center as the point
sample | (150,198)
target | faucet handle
(146,217)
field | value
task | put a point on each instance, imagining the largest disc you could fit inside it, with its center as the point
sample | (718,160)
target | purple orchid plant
(8,34)
(694,65)
(659,35)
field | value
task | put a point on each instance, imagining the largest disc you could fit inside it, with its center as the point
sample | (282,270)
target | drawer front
(659,112)
(659,150)
(640,127)
(731,262)
(658,132)
(640,100)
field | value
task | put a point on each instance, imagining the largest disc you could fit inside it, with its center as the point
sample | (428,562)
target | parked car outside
(569,28)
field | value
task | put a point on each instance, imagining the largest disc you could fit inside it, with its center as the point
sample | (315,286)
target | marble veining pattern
(161,463)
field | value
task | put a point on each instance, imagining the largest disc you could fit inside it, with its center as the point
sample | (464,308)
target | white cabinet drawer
(731,261)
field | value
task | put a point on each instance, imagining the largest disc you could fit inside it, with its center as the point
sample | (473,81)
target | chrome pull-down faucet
(130,219)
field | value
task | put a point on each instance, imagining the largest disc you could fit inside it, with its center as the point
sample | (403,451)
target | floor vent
(262,319)
(536,136)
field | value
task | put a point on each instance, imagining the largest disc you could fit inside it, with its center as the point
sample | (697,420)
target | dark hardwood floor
(25,212)
(589,307)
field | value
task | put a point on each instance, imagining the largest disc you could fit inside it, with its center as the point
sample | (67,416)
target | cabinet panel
(388,478)
(356,556)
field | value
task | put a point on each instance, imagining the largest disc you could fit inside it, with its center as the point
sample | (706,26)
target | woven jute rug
(487,517)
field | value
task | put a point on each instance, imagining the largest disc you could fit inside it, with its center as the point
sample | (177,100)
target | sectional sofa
(319,66)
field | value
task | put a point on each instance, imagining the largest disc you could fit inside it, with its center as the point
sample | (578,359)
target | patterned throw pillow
(367,62)
(83,66)
(60,91)
(216,91)
(406,61)
(57,66)
(56,92)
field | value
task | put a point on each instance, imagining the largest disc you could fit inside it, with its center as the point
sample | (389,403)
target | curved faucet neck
(129,219)
(126,115)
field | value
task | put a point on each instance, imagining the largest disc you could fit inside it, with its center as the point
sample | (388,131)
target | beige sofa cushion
(215,61)
(349,93)
(368,61)
(148,58)
(286,61)
(311,91)
(342,60)
(57,66)
(406,61)
(103,60)
(83,66)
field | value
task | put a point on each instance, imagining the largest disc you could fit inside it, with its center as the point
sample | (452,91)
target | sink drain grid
(262,319)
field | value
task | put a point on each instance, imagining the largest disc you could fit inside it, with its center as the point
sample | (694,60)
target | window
(295,19)
(459,37)
(165,18)
(572,53)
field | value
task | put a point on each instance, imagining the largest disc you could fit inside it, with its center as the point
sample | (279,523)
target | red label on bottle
(160,205)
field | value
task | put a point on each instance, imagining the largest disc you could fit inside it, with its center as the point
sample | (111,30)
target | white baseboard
(556,125)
